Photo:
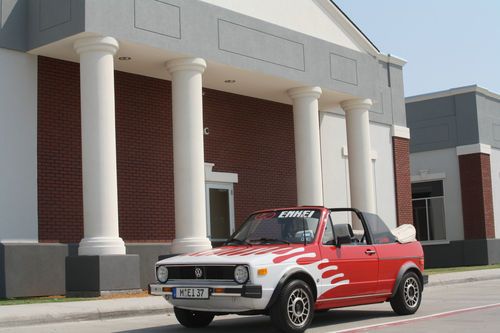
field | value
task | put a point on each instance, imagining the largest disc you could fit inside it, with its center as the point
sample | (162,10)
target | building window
(428,210)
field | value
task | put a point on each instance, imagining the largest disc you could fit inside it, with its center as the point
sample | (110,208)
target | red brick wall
(248,136)
(477,197)
(60,210)
(402,178)
(253,138)
(144,158)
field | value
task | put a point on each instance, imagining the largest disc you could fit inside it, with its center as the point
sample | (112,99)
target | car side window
(348,227)
(381,234)
(328,238)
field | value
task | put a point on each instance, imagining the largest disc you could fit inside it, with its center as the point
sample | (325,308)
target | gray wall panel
(148,254)
(343,69)
(462,253)
(467,121)
(493,251)
(34,269)
(260,45)
(40,269)
(52,13)
(444,122)
(158,17)
(396,93)
(52,20)
(2,272)
(489,120)
(120,272)
(13,24)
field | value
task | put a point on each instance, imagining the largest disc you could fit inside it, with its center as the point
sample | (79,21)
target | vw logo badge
(198,272)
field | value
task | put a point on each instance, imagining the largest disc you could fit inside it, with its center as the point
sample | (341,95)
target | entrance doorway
(220,211)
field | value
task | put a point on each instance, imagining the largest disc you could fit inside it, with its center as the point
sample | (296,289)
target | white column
(307,145)
(189,165)
(100,192)
(359,154)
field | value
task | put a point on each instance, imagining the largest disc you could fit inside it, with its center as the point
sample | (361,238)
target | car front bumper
(224,298)
(247,290)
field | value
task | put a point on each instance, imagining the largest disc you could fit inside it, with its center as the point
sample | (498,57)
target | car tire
(193,319)
(293,311)
(408,296)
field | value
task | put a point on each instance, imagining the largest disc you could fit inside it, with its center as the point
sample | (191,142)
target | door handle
(370,252)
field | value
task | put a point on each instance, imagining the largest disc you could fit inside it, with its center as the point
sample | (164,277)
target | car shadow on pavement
(262,324)
(335,317)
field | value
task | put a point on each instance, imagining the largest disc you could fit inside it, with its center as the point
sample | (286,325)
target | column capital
(186,64)
(97,43)
(356,104)
(300,92)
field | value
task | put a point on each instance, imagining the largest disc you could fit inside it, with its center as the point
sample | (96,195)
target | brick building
(133,129)
(455,174)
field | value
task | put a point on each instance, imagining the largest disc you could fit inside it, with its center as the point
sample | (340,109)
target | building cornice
(391,59)
(454,91)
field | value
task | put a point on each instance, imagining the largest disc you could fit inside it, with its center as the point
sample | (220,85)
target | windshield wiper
(270,240)
(237,241)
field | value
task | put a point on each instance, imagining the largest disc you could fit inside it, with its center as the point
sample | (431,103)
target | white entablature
(317,18)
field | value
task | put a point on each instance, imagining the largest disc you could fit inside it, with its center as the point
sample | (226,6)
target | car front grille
(207,272)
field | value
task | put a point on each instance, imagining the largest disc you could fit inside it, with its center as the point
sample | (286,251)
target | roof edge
(355,26)
(392,59)
(361,35)
(453,91)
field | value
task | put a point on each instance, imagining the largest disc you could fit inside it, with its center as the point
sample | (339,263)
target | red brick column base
(402,179)
(477,197)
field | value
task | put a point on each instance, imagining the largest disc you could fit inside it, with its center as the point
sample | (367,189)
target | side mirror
(343,240)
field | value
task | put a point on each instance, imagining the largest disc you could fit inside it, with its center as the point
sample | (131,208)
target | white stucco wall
(306,16)
(437,164)
(335,166)
(495,183)
(18,146)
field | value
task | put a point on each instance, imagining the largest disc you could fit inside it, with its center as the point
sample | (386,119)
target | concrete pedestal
(90,276)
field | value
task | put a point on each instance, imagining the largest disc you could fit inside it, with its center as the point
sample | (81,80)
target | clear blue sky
(447,43)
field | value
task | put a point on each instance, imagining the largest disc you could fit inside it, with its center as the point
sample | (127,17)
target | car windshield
(279,227)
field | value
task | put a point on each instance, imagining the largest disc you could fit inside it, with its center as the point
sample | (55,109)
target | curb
(92,313)
(462,280)
(97,313)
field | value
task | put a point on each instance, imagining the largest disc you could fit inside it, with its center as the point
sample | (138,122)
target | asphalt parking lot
(453,308)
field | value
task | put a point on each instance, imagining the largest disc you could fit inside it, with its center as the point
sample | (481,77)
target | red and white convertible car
(289,263)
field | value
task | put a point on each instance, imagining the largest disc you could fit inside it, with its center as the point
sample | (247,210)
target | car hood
(252,255)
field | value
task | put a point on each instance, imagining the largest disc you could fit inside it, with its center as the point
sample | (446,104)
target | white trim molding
(424,175)
(400,132)
(474,149)
(391,59)
(219,177)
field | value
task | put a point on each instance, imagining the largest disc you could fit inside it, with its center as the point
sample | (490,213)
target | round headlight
(162,274)
(240,274)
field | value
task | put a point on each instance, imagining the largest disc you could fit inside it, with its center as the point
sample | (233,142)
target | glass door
(220,211)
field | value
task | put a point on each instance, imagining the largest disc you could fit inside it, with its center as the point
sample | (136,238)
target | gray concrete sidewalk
(43,313)
(463,277)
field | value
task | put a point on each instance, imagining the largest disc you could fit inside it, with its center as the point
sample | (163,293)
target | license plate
(190,293)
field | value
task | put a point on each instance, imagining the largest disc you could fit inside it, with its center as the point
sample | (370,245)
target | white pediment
(317,18)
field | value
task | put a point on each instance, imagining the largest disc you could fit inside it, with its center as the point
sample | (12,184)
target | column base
(92,276)
(192,244)
(101,246)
